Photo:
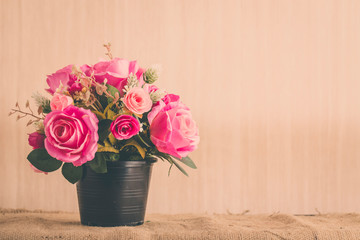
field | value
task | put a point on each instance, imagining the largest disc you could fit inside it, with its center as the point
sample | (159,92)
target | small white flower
(132,82)
(152,74)
(157,96)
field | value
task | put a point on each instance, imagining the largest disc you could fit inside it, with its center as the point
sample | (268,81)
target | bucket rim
(131,163)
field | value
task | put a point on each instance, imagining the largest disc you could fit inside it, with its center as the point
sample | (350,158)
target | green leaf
(107,147)
(112,139)
(188,162)
(163,156)
(112,90)
(112,157)
(104,129)
(103,101)
(111,114)
(180,168)
(72,173)
(158,157)
(43,161)
(98,164)
(172,160)
(162,159)
(108,108)
(132,142)
(170,169)
(99,115)
(46,107)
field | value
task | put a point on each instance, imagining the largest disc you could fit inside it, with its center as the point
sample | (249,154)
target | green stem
(143,141)
(99,104)
(94,107)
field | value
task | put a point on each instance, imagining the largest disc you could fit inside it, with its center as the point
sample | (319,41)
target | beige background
(273,85)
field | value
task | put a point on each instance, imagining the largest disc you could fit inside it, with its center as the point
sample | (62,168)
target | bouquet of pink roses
(110,111)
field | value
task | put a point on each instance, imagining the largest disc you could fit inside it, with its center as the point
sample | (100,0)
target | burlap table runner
(23,224)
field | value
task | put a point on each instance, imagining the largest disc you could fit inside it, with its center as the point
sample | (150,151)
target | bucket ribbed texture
(115,198)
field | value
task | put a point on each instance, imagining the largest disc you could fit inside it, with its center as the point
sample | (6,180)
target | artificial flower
(71,135)
(138,100)
(60,102)
(172,128)
(124,127)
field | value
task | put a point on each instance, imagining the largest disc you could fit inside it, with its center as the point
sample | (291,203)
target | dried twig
(108,48)
(24,114)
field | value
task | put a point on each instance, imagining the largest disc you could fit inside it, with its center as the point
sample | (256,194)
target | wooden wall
(273,84)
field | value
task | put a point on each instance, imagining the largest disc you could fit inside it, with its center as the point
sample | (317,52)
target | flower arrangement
(110,111)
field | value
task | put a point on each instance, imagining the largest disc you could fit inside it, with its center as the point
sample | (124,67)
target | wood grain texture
(273,85)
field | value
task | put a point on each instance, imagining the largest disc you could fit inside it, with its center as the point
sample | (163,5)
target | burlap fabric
(23,224)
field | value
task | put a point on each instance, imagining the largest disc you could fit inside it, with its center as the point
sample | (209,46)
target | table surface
(24,224)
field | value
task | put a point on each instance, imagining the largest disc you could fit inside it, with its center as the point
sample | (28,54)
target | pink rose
(138,100)
(71,135)
(116,71)
(124,127)
(37,170)
(60,102)
(65,77)
(172,128)
(36,140)
(75,87)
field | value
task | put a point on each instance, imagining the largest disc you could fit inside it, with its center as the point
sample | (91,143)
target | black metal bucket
(115,198)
